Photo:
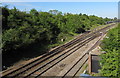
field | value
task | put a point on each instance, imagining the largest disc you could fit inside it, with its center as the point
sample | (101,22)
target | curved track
(60,53)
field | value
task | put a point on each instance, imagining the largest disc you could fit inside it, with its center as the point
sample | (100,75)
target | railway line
(61,57)
(49,60)
(83,59)
(47,55)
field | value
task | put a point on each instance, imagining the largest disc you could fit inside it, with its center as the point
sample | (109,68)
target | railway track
(49,54)
(80,62)
(38,65)
(75,68)
(42,70)
(53,61)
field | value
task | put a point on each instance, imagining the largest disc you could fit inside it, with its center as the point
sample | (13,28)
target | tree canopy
(23,28)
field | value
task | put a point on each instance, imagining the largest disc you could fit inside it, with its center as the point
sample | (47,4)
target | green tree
(21,29)
(110,60)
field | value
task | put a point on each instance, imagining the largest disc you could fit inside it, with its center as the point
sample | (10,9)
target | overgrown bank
(110,59)
(30,34)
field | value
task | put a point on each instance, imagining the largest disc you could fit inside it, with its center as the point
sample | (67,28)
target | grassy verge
(68,37)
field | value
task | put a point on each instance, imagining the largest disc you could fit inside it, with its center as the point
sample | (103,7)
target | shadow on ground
(95,63)
(33,50)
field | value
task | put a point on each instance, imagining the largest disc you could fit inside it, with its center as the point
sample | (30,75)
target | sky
(101,9)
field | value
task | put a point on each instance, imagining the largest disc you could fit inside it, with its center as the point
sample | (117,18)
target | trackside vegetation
(110,59)
(27,33)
